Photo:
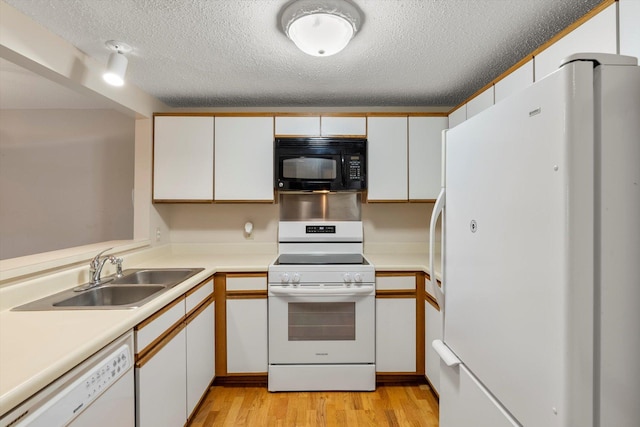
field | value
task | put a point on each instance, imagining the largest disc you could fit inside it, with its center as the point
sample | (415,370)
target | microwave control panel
(355,168)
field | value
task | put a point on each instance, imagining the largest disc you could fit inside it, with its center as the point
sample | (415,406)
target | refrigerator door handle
(437,211)
(447,356)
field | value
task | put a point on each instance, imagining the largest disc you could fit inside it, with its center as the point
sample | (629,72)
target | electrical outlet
(158,234)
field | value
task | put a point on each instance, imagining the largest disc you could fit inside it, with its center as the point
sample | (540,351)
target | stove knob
(296,278)
(357,277)
(347,278)
(284,278)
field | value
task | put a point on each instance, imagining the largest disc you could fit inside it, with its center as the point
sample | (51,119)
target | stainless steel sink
(111,296)
(133,289)
(154,276)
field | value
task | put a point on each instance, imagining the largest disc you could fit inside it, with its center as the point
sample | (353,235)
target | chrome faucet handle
(96,259)
(95,267)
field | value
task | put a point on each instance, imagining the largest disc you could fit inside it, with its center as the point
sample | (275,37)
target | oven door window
(310,168)
(322,321)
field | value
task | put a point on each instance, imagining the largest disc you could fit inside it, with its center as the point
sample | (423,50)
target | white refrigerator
(541,265)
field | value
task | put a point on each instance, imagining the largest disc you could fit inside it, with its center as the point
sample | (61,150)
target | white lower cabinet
(433,331)
(395,335)
(247,336)
(175,359)
(161,386)
(200,354)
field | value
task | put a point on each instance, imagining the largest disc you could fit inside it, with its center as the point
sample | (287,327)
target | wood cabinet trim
(219,292)
(198,286)
(237,275)
(420,325)
(159,313)
(396,293)
(183,201)
(199,308)
(396,273)
(152,349)
(263,201)
(597,9)
(431,300)
(246,294)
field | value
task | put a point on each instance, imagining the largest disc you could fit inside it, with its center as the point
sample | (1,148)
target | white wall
(66,178)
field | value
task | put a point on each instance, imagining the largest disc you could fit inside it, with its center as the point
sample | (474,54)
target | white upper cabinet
(297,126)
(458,116)
(480,103)
(343,126)
(425,156)
(183,158)
(598,34)
(387,159)
(629,12)
(244,159)
(514,82)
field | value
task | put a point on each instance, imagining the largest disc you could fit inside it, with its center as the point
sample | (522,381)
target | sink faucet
(96,264)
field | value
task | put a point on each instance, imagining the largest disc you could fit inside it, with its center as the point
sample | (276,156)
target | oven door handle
(323,291)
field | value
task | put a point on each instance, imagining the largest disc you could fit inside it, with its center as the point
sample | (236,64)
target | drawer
(198,294)
(247,283)
(395,282)
(155,326)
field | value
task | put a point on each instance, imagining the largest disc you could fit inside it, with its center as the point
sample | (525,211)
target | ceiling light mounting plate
(117,46)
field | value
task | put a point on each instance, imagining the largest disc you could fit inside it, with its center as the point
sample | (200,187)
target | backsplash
(224,223)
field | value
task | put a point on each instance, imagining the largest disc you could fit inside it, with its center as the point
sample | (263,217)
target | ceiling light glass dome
(321,28)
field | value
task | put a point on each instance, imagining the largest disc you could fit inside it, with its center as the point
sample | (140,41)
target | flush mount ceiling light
(117,65)
(321,27)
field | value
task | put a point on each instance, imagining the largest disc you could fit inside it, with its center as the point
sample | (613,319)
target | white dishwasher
(98,392)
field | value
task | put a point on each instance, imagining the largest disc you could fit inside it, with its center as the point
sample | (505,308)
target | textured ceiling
(232,53)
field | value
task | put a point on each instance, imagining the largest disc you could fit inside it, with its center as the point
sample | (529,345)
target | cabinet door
(433,331)
(244,159)
(598,34)
(247,335)
(183,158)
(296,126)
(387,159)
(629,16)
(343,126)
(458,116)
(425,156)
(395,335)
(514,82)
(200,355)
(480,103)
(161,386)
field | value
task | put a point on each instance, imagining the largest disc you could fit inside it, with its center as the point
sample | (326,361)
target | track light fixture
(117,65)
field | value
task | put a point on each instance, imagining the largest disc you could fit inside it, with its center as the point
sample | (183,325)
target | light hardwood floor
(389,405)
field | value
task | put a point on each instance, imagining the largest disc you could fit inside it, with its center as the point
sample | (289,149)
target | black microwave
(320,164)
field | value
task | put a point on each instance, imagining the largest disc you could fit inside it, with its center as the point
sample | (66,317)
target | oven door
(321,326)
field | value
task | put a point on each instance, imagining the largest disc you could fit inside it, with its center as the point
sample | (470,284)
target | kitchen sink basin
(133,289)
(111,296)
(154,276)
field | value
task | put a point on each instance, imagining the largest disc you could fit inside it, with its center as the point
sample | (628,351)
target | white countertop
(37,347)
